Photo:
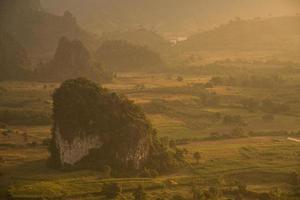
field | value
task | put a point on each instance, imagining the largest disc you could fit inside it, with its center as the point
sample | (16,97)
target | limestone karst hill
(119,55)
(71,60)
(93,127)
(97,126)
(141,37)
(14,61)
(37,30)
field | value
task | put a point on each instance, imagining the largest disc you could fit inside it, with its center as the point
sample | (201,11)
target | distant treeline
(25,117)
(120,55)
(72,59)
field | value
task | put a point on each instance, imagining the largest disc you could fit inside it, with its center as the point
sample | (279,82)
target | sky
(167,15)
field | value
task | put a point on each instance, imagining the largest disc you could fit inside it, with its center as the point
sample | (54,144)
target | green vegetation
(82,109)
(14,59)
(213,117)
(202,147)
(71,60)
(122,56)
(37,30)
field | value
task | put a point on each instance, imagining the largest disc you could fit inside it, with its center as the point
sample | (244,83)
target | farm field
(243,143)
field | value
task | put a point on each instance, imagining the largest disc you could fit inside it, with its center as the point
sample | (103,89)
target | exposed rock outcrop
(95,127)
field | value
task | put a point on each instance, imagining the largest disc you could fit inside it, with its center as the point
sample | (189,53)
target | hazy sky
(168,15)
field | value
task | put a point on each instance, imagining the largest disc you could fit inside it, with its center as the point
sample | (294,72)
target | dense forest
(14,59)
(119,55)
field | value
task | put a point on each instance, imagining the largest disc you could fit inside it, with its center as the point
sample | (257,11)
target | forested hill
(37,30)
(141,37)
(271,34)
(14,61)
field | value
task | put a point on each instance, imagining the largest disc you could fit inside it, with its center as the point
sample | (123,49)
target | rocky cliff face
(92,125)
(71,152)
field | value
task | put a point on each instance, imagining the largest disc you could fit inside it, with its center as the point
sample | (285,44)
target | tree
(238,197)
(120,55)
(276,194)
(241,186)
(179,78)
(197,194)
(265,196)
(111,191)
(107,171)
(139,193)
(268,117)
(197,156)
(178,197)
(179,153)
(214,193)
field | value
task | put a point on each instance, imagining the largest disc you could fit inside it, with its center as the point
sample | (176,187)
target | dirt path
(293,139)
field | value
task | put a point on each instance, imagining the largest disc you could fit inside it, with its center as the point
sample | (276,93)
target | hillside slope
(14,61)
(37,30)
(141,37)
(270,38)
(269,34)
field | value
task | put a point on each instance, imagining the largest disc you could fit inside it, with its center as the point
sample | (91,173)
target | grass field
(259,155)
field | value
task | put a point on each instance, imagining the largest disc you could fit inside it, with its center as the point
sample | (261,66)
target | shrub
(139,193)
(214,192)
(178,197)
(111,191)
(106,171)
(197,156)
(179,78)
(2,125)
(233,119)
(46,142)
(237,133)
(265,196)
(33,144)
(25,117)
(268,117)
(238,197)
(241,186)
(150,173)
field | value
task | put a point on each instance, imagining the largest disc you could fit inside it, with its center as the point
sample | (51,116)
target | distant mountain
(37,30)
(141,37)
(271,34)
(71,60)
(120,55)
(14,61)
(175,17)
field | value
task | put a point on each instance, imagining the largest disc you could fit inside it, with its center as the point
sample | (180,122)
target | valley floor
(262,155)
